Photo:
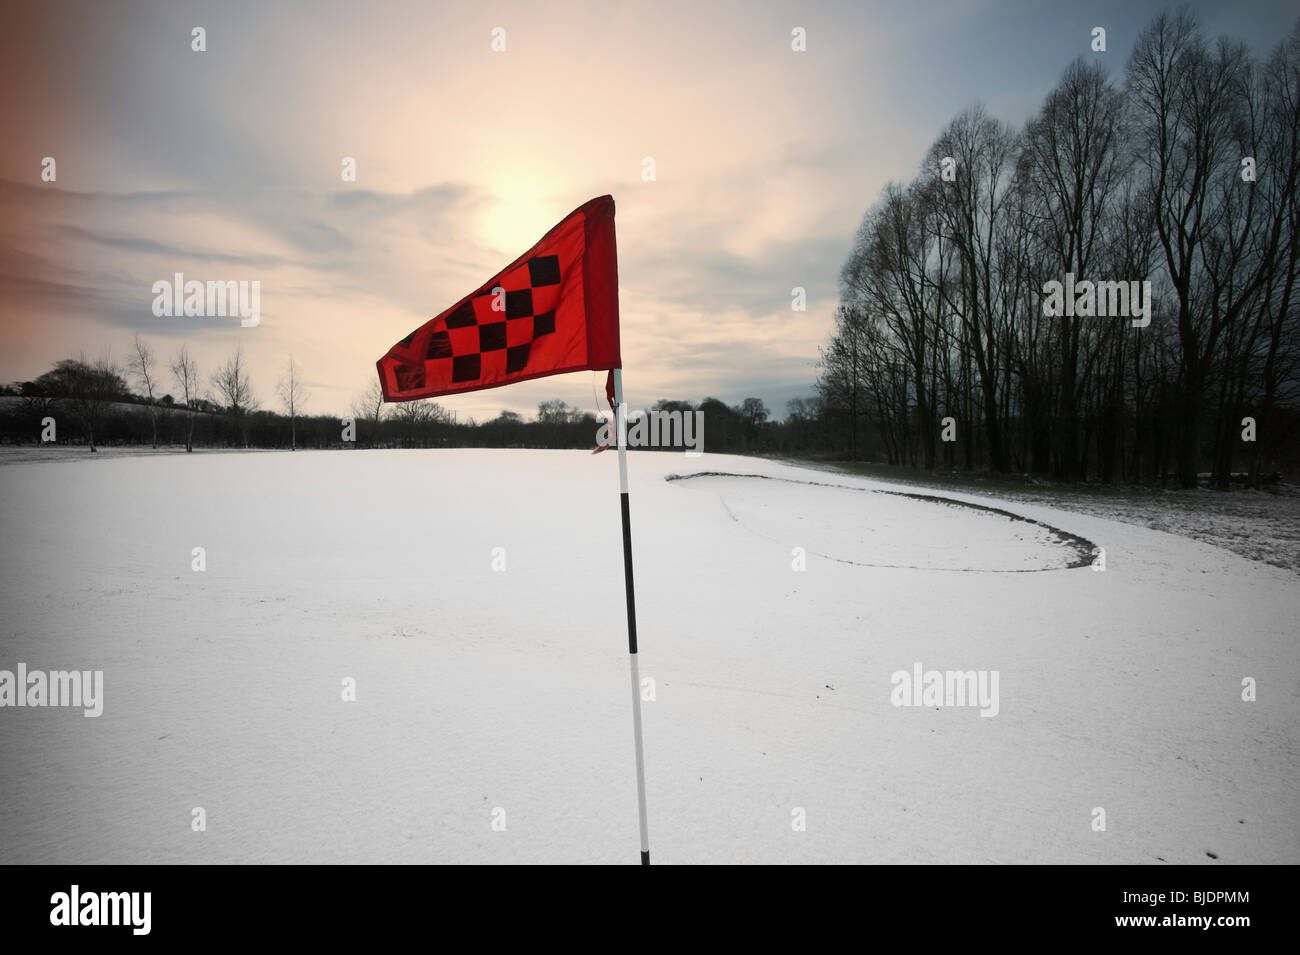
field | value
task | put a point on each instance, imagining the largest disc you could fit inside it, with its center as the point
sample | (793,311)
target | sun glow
(522,210)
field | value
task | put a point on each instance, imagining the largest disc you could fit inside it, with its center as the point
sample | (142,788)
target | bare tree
(1188,107)
(416,416)
(141,364)
(842,362)
(38,398)
(369,405)
(971,212)
(1072,159)
(1279,363)
(555,412)
(887,272)
(236,390)
(293,396)
(186,372)
(89,388)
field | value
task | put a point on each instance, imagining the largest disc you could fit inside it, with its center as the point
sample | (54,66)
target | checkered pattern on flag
(554,309)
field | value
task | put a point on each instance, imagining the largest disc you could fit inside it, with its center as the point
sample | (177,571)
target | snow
(1262,524)
(480,689)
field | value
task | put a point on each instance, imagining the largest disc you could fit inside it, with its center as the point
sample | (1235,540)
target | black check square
(492,337)
(466,367)
(409,377)
(462,317)
(544,270)
(439,345)
(519,304)
(543,324)
(516,357)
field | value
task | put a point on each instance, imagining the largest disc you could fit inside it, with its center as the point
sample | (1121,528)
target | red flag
(553,309)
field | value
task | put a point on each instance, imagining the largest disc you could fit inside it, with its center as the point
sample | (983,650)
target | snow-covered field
(1262,524)
(481,689)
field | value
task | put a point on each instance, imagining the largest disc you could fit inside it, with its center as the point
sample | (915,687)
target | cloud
(171,250)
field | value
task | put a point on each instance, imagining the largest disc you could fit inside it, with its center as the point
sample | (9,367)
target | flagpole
(631,614)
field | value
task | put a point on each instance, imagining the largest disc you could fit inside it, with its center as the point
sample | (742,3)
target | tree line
(1185,173)
(95,397)
(147,402)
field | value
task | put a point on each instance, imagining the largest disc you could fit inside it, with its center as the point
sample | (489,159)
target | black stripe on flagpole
(627,578)
(645,858)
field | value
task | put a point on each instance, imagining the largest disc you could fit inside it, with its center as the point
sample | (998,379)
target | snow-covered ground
(479,689)
(1262,524)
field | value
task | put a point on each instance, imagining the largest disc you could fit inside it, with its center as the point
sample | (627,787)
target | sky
(226,165)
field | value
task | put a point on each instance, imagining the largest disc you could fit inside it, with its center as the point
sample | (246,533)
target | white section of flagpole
(634,666)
